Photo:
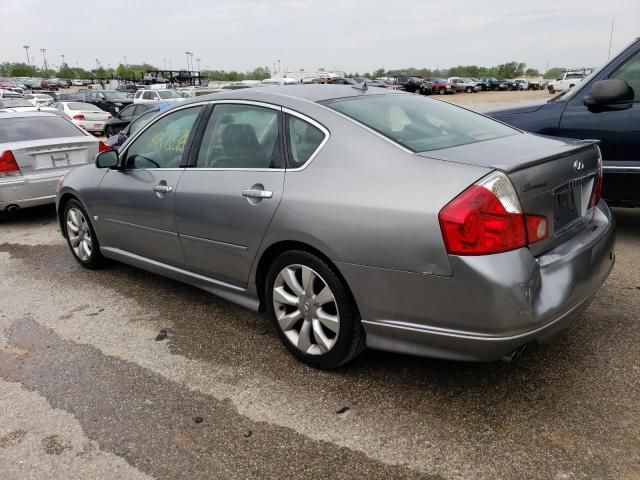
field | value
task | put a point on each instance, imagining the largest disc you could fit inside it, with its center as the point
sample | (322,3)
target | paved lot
(86,391)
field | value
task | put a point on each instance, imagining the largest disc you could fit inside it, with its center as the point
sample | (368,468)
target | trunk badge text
(578,165)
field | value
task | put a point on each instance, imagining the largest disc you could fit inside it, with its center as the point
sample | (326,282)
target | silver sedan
(355,218)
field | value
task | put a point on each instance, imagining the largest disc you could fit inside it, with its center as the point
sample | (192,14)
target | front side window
(303,139)
(630,73)
(240,136)
(162,144)
(420,124)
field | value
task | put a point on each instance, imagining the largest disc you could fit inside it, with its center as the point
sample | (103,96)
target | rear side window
(420,124)
(303,139)
(36,128)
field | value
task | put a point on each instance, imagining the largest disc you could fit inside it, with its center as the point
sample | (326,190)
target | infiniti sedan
(355,218)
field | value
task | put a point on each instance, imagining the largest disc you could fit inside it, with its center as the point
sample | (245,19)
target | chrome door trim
(316,124)
(214,242)
(246,102)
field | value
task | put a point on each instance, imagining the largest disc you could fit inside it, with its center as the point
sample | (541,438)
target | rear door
(138,201)
(225,203)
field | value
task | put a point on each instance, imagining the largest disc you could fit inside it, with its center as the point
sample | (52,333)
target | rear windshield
(36,128)
(82,106)
(166,94)
(420,124)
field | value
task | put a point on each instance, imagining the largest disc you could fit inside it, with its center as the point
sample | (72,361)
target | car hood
(519,108)
(508,154)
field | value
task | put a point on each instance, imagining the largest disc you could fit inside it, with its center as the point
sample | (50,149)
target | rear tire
(469,90)
(313,311)
(81,237)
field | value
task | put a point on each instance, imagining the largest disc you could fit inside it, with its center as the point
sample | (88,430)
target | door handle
(162,188)
(253,193)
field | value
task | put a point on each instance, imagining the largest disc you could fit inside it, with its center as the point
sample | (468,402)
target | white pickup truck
(566,81)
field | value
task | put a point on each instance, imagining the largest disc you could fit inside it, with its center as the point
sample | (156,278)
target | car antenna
(360,86)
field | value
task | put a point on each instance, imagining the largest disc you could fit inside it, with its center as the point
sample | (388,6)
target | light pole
(198,60)
(279,67)
(187,54)
(125,61)
(44,57)
(26,49)
(62,55)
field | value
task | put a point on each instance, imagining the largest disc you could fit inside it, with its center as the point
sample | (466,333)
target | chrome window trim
(246,102)
(163,114)
(620,167)
(316,124)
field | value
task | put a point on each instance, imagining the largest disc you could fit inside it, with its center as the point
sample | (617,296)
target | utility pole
(187,54)
(610,40)
(164,63)
(26,49)
(198,60)
(62,55)
(44,57)
(278,66)
(125,61)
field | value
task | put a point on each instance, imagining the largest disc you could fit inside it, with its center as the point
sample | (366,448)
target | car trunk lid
(52,156)
(552,177)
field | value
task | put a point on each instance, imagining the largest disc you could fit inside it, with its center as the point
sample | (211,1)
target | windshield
(420,124)
(167,94)
(114,95)
(82,106)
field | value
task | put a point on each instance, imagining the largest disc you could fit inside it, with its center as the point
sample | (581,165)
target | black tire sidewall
(95,259)
(343,350)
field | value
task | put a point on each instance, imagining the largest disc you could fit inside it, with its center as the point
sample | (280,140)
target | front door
(225,203)
(138,201)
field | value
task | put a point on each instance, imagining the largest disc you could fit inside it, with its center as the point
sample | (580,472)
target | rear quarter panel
(365,201)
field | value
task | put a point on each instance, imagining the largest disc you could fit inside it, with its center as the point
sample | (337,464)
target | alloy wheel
(79,234)
(306,309)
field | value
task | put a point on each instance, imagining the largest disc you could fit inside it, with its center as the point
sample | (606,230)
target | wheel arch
(276,249)
(64,198)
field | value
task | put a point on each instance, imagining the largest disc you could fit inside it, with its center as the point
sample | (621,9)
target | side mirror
(108,159)
(607,92)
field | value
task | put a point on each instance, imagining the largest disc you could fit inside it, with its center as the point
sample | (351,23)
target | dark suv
(110,101)
(604,106)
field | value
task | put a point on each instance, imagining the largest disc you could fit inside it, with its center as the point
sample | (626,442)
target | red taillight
(596,194)
(103,147)
(486,218)
(79,117)
(109,117)
(8,164)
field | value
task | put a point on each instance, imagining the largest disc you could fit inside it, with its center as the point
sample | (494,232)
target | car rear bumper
(492,305)
(91,125)
(24,192)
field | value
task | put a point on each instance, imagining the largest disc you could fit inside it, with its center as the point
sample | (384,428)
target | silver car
(355,218)
(37,149)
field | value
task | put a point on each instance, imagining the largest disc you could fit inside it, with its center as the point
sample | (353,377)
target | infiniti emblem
(578,165)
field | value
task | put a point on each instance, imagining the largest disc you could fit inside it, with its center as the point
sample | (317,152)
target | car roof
(279,93)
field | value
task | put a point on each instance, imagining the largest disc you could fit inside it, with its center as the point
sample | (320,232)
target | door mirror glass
(108,159)
(608,92)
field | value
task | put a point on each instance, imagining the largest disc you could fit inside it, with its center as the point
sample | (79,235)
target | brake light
(109,117)
(596,194)
(103,147)
(487,218)
(79,117)
(8,164)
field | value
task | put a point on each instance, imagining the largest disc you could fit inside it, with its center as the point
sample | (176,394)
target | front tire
(312,310)
(81,237)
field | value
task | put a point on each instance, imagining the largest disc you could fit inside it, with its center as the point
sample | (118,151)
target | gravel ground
(86,390)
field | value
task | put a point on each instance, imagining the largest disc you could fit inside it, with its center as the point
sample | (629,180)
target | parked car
(49,85)
(278,81)
(369,82)
(124,117)
(84,115)
(52,94)
(9,94)
(116,141)
(33,84)
(38,99)
(505,84)
(463,84)
(489,83)
(72,97)
(604,106)
(129,87)
(77,83)
(110,101)
(566,81)
(151,96)
(21,105)
(474,267)
(441,86)
(36,150)
(418,85)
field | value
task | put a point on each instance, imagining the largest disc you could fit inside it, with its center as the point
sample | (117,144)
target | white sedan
(77,83)
(149,96)
(38,99)
(84,115)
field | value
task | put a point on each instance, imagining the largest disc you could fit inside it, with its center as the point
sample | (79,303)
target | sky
(350,35)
